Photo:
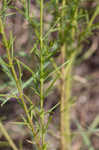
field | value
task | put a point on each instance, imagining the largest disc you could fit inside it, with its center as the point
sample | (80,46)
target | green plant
(67,16)
(10,142)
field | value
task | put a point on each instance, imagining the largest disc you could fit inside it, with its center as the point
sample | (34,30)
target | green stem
(66,84)
(65,94)
(41,73)
(41,48)
(3,130)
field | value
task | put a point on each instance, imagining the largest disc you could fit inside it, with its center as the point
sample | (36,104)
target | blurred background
(85,88)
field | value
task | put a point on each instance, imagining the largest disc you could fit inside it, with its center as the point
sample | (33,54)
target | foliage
(72,25)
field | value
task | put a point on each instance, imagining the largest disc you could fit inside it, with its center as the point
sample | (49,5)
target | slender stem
(4,144)
(66,84)
(65,93)
(41,73)
(93,17)
(62,105)
(64,102)
(41,48)
(7,137)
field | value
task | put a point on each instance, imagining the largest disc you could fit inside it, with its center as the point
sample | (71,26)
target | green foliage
(65,22)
